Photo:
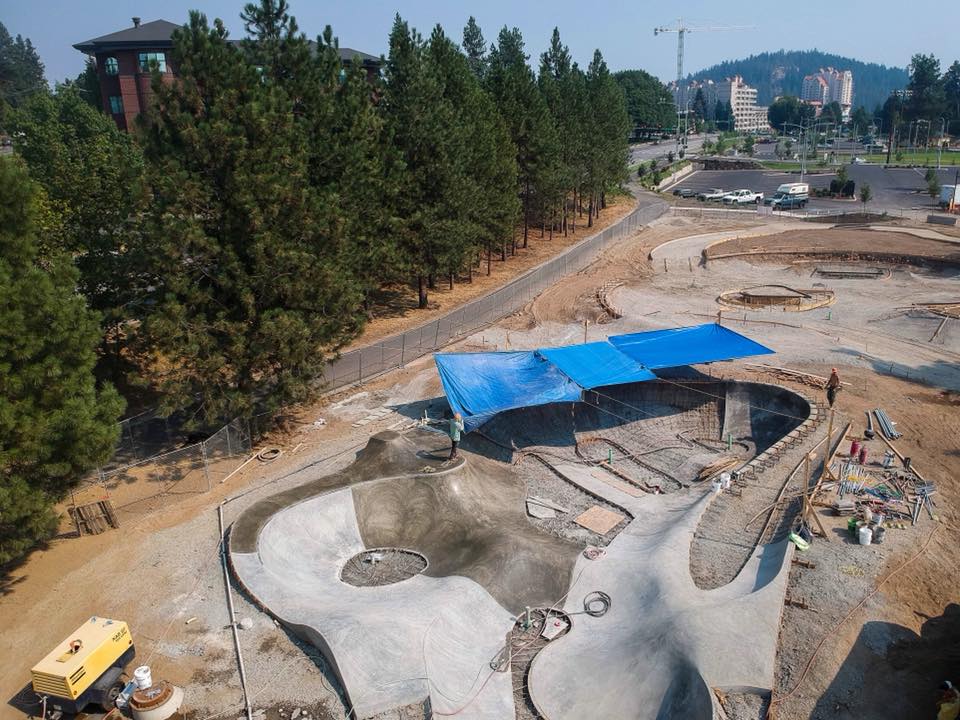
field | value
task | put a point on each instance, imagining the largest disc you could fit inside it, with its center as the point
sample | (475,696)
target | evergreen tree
(421,122)
(475,48)
(250,295)
(522,106)
(564,90)
(611,128)
(55,424)
(926,100)
(490,199)
(21,72)
(87,83)
(699,107)
(951,92)
(91,172)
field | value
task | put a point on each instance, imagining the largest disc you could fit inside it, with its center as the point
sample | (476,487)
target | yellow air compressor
(85,668)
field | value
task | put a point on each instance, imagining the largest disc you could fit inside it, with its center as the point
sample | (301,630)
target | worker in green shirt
(456,427)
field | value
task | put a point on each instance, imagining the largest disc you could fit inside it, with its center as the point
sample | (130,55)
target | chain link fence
(363,363)
(138,483)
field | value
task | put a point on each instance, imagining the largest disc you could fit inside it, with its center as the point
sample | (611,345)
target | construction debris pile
(887,492)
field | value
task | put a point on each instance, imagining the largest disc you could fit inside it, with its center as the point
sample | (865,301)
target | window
(110,66)
(147,60)
(116,105)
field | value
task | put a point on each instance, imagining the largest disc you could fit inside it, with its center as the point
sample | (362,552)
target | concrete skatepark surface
(436,636)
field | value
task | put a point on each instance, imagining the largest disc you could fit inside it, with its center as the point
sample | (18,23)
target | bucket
(865,535)
(725,481)
(142,677)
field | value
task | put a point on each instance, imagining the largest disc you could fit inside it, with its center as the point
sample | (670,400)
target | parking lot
(894,189)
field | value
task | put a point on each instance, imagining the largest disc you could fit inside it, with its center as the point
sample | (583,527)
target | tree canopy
(55,423)
(21,72)
(649,103)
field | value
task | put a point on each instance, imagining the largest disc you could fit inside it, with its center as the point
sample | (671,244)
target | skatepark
(459,568)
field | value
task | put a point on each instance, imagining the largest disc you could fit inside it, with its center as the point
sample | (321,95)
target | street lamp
(943,127)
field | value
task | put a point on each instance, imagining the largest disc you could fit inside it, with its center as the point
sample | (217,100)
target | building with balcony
(747,115)
(827,86)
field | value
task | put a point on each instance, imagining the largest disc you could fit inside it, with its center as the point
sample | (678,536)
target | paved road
(894,189)
(645,152)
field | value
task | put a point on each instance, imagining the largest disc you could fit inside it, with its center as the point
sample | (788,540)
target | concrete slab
(663,644)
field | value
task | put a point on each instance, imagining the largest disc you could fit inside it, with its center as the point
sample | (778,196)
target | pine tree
(513,86)
(611,127)
(21,72)
(55,424)
(475,48)
(251,298)
(423,126)
(92,173)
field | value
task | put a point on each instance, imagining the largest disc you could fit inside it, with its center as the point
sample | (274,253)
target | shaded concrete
(663,644)
(472,523)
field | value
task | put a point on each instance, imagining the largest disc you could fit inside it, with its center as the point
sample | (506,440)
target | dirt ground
(842,241)
(160,570)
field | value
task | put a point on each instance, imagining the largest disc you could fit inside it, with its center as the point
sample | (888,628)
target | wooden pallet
(94,518)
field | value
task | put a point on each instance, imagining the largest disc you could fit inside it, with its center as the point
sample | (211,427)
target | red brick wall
(129,83)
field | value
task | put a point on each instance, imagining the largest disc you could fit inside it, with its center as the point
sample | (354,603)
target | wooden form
(94,518)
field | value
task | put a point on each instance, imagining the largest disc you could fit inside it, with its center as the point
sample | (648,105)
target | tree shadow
(892,672)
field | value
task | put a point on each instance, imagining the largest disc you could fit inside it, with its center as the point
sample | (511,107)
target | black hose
(597,603)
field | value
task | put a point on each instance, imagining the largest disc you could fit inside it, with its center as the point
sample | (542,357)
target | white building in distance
(827,86)
(747,115)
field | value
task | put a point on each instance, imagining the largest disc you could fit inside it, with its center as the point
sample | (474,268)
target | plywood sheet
(599,520)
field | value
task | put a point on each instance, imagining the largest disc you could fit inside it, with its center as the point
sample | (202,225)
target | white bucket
(725,480)
(865,535)
(142,677)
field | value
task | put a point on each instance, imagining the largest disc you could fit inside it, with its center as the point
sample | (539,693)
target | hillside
(782,72)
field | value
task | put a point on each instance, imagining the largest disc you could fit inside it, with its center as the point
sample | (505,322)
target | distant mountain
(782,72)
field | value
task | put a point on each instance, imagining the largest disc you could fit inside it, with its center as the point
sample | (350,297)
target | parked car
(742,197)
(685,192)
(783,201)
(715,194)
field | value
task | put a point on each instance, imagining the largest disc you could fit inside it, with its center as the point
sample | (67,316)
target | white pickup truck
(742,197)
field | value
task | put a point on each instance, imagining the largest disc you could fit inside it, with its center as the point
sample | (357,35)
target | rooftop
(158,34)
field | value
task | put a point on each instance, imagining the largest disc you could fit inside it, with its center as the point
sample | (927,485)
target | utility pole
(681,30)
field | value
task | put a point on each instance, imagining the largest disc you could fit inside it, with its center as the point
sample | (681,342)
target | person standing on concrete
(833,386)
(456,427)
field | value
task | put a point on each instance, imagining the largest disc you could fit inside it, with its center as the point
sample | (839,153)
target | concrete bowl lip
(410,551)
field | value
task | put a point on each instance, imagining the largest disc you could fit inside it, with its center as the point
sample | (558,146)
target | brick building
(125,60)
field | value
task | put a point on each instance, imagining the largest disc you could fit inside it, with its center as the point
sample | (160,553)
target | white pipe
(233,615)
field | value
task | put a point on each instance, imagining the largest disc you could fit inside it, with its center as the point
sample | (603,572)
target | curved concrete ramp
(663,643)
(432,635)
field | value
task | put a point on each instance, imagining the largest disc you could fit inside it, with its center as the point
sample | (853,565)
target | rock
(246,623)
(295,714)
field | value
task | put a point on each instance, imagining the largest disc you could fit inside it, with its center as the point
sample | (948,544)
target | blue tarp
(595,364)
(686,346)
(480,385)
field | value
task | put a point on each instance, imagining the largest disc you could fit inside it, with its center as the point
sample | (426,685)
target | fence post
(359,365)
(229,448)
(206,470)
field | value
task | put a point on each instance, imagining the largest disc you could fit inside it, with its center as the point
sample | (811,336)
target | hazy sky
(874,32)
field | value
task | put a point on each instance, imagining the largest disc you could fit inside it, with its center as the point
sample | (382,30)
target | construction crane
(681,30)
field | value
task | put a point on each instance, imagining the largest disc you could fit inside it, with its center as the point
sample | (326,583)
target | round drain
(382,566)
